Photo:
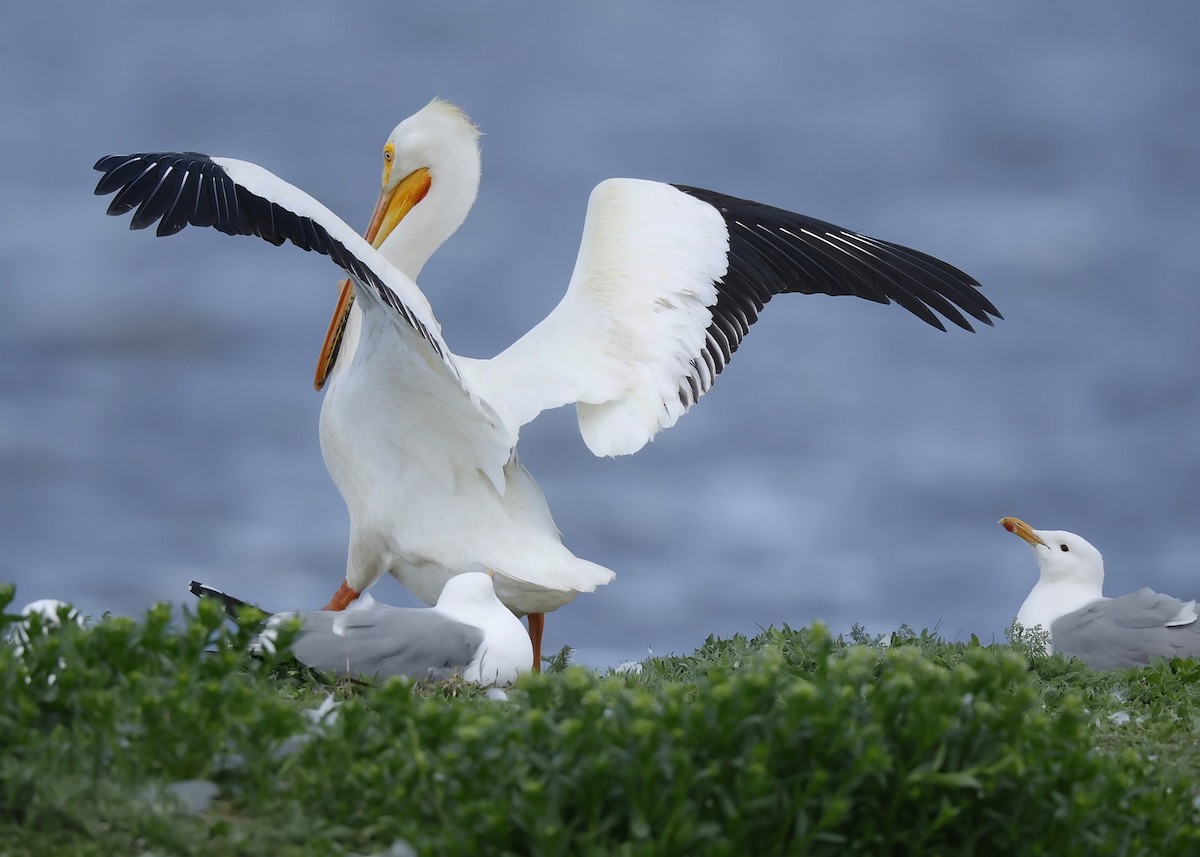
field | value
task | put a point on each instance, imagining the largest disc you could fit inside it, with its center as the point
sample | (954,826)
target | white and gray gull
(468,633)
(421,442)
(1105,633)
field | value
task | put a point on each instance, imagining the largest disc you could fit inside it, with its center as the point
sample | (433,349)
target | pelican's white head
(431,170)
(1072,573)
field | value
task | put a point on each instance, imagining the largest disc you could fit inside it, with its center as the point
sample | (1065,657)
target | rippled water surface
(156,416)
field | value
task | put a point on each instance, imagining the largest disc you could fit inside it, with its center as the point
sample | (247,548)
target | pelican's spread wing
(239,198)
(668,281)
(1114,633)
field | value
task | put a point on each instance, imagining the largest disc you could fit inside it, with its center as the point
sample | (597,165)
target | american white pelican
(1105,633)
(421,442)
(468,633)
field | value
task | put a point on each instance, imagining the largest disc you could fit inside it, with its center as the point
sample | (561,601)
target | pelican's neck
(417,237)
(434,219)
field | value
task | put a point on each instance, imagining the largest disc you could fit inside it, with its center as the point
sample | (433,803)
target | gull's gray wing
(385,641)
(1117,633)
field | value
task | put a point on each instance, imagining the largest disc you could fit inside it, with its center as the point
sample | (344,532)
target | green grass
(789,742)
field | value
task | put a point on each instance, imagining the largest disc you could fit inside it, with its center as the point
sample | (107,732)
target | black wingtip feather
(796,253)
(232,605)
(772,251)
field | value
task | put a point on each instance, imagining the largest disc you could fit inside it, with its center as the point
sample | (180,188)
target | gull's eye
(1065,549)
(387,155)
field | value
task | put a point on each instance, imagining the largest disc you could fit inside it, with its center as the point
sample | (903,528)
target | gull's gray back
(1126,632)
(385,641)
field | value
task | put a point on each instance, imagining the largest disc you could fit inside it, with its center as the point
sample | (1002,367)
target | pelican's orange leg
(537,623)
(342,598)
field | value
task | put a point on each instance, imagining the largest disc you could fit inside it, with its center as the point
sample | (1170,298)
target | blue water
(156,417)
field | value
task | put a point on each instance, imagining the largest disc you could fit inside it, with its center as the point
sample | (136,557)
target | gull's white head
(470,591)
(1072,573)
(431,170)
(506,650)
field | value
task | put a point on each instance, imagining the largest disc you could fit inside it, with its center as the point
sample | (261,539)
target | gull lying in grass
(1105,633)
(50,611)
(468,633)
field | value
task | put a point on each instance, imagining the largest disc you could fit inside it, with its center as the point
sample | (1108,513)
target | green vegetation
(160,737)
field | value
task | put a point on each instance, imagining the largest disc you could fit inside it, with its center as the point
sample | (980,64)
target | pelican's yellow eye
(389,154)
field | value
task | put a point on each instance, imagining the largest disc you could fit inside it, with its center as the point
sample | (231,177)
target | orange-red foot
(537,624)
(342,598)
